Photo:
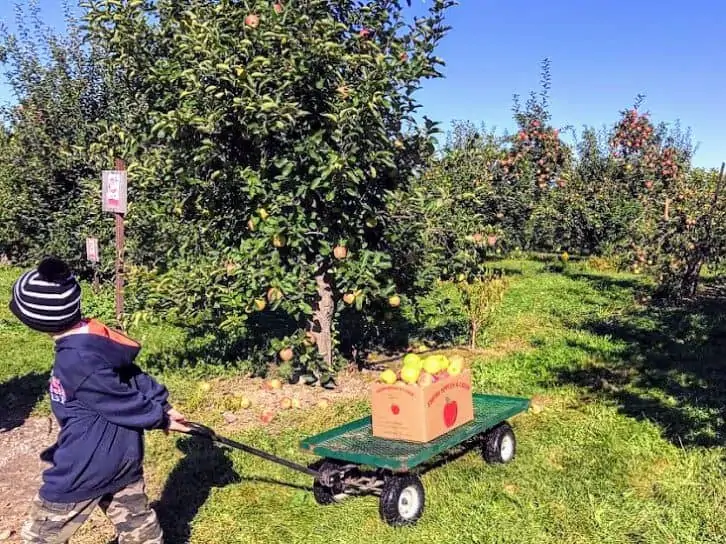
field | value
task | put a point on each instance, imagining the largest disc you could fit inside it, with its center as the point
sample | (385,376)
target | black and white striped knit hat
(48,298)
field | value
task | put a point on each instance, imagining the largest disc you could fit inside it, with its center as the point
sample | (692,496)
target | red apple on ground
(267,416)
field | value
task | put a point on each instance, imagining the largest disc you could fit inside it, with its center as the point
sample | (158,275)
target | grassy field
(628,449)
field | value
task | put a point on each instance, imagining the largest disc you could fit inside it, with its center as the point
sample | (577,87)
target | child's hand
(177,426)
(176,416)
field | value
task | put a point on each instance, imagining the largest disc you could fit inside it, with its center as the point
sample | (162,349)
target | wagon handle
(202,431)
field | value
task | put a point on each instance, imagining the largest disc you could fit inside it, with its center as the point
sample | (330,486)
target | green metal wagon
(354,462)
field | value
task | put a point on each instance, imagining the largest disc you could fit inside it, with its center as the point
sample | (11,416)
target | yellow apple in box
(432,365)
(443,362)
(456,366)
(388,376)
(413,360)
(410,374)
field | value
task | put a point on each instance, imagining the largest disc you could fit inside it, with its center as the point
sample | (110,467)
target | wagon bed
(354,442)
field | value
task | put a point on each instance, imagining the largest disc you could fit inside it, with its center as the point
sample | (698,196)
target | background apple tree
(263,139)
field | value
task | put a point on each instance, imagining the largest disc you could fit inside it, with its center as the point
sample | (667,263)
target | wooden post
(120,243)
(92,256)
(96,283)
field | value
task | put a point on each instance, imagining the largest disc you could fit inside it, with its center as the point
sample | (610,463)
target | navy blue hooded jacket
(103,403)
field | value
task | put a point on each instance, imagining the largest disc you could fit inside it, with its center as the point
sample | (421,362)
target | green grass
(628,449)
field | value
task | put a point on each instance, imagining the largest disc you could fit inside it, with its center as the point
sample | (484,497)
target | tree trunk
(474,331)
(689,281)
(323,319)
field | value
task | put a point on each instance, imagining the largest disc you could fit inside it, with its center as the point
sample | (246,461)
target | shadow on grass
(385,331)
(667,367)
(18,397)
(204,466)
(605,283)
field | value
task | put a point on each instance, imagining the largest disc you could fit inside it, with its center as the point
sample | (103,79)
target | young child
(103,403)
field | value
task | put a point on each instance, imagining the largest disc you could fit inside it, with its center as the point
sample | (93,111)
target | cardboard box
(421,414)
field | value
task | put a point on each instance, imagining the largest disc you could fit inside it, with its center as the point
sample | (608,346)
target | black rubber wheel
(402,500)
(499,444)
(323,494)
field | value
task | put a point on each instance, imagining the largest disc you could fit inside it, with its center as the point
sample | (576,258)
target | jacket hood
(109,344)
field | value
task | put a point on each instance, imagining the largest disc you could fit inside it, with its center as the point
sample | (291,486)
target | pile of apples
(423,372)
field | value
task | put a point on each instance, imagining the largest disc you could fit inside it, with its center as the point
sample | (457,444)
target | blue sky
(602,52)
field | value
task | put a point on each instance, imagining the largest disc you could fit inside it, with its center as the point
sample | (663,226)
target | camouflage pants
(128,510)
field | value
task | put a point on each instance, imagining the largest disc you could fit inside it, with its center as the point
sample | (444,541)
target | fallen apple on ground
(286,403)
(323,403)
(274,384)
(267,416)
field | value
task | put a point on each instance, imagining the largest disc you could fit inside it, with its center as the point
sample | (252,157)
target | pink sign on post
(114,191)
(92,249)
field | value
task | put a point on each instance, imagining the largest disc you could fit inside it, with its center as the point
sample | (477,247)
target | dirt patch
(21,469)
(644,479)
(220,402)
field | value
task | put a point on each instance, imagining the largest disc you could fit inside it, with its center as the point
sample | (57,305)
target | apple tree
(263,139)
(444,224)
(533,163)
(48,180)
